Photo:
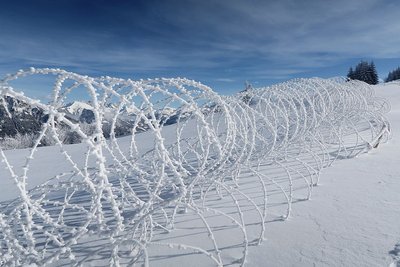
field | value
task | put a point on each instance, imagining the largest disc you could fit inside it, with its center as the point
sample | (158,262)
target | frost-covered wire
(198,147)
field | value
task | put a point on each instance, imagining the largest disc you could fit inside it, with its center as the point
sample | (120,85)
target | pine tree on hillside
(373,74)
(350,74)
(393,75)
(396,74)
(362,71)
(365,72)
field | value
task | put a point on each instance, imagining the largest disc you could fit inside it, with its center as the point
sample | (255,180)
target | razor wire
(199,144)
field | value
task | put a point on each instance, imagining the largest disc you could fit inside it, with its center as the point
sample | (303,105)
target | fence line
(200,145)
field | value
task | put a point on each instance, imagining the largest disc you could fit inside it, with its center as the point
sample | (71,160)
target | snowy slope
(351,219)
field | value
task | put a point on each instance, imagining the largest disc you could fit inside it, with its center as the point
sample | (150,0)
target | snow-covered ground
(352,218)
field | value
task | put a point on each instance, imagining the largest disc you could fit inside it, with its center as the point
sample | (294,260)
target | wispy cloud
(227,80)
(221,41)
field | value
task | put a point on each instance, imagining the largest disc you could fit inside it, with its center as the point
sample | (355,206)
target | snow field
(228,162)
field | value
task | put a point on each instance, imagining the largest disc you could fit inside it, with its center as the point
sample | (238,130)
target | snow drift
(126,192)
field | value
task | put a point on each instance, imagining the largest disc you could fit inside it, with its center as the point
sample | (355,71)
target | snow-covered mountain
(19,117)
(79,111)
(77,107)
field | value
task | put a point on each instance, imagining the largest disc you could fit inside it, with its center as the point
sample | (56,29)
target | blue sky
(220,43)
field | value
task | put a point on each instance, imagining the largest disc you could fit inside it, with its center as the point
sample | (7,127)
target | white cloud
(264,38)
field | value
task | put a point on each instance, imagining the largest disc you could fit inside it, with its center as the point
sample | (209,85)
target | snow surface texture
(127,194)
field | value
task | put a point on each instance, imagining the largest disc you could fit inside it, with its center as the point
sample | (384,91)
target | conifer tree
(373,75)
(393,75)
(365,72)
(350,74)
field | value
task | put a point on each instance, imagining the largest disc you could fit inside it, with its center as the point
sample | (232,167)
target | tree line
(393,75)
(366,72)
